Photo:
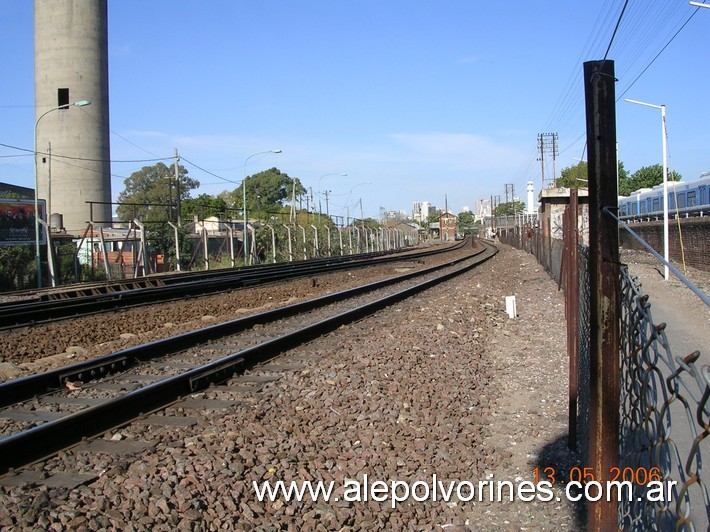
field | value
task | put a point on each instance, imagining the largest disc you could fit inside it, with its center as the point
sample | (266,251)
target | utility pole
(540,147)
(511,187)
(177,185)
(547,143)
(327,210)
(555,153)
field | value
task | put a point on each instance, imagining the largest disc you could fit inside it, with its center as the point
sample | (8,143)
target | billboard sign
(17,222)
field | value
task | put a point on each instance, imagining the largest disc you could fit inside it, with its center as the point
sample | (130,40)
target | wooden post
(604,285)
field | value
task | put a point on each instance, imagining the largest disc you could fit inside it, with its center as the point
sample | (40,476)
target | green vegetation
(152,188)
(465,222)
(645,177)
(512,207)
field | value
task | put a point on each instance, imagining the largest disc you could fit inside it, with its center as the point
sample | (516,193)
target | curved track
(157,374)
(110,297)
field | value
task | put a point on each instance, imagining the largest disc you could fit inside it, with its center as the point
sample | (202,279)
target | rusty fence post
(546,242)
(604,283)
(571,241)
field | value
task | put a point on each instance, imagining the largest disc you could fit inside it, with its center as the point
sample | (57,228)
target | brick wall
(696,240)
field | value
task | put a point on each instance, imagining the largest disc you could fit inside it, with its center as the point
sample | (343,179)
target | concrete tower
(71,64)
(531,198)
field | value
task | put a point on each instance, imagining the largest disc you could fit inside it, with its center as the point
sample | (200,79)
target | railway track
(48,412)
(112,296)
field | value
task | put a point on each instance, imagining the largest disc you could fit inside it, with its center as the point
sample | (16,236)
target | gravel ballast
(442,384)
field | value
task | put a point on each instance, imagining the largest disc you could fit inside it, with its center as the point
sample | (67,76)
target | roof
(23,192)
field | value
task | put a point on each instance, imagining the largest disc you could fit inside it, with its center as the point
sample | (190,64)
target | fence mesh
(664,404)
(583,365)
(664,421)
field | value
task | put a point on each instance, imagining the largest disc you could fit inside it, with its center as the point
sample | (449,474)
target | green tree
(370,223)
(465,222)
(17,267)
(267,190)
(162,237)
(433,216)
(204,206)
(512,207)
(574,176)
(153,188)
(646,177)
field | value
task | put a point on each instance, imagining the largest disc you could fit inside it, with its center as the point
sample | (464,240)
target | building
(483,209)
(71,69)
(447,226)
(421,211)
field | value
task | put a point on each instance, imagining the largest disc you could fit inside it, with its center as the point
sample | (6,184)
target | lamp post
(80,103)
(244,198)
(320,212)
(665,181)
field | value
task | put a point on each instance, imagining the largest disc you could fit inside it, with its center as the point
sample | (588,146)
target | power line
(626,3)
(208,172)
(658,54)
(55,155)
(638,29)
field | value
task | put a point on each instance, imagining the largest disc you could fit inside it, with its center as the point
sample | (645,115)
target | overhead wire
(616,28)
(658,54)
(638,28)
(207,171)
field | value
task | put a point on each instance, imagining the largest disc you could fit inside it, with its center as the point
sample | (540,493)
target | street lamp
(665,181)
(244,198)
(320,212)
(80,103)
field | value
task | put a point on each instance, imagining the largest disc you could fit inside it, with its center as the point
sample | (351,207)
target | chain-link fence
(583,355)
(664,422)
(664,401)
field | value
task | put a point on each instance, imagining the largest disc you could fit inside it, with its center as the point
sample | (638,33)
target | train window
(634,208)
(656,204)
(691,199)
(681,200)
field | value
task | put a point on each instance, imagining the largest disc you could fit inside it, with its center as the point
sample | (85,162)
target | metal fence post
(604,275)
(571,237)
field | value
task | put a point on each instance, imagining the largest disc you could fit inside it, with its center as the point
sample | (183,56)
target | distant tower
(71,64)
(531,198)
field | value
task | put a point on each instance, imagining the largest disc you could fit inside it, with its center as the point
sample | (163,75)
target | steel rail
(13,315)
(33,444)
(22,389)
(148,281)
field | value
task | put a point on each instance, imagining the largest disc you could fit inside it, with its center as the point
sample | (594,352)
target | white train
(693,197)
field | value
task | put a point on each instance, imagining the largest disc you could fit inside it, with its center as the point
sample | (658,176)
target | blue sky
(413,99)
